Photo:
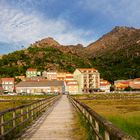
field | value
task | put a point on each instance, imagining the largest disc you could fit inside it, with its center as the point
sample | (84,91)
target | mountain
(116,55)
(46,54)
(77,50)
(46,42)
(118,38)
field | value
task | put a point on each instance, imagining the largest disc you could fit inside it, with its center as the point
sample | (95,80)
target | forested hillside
(116,55)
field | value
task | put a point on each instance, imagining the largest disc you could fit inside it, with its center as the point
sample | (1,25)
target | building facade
(105,85)
(121,84)
(8,84)
(1,88)
(51,75)
(71,87)
(135,84)
(88,79)
(42,86)
(31,72)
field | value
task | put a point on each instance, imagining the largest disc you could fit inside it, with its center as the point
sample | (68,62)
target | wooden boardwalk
(57,125)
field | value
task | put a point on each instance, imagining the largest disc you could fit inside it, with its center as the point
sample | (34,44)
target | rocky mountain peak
(46,42)
(120,37)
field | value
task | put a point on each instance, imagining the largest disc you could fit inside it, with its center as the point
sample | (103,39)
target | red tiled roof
(69,76)
(104,84)
(87,69)
(31,69)
(7,79)
(121,85)
(137,79)
(135,84)
(72,84)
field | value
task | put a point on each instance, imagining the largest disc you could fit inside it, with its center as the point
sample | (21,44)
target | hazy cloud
(19,26)
(126,10)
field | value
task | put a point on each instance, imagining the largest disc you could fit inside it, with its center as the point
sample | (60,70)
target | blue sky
(23,22)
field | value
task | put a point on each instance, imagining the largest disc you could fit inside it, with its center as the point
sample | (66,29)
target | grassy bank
(124,113)
(81,129)
(129,124)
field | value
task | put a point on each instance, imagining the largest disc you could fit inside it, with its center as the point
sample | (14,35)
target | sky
(23,22)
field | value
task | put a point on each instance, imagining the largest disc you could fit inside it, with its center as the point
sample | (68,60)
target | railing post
(107,137)
(35,111)
(46,105)
(32,112)
(39,107)
(2,126)
(83,110)
(21,113)
(90,119)
(14,121)
(27,111)
(43,106)
(97,129)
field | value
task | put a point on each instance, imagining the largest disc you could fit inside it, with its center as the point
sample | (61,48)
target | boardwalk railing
(101,129)
(15,120)
(111,96)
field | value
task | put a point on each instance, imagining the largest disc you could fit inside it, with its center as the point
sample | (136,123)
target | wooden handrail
(96,121)
(22,116)
(22,106)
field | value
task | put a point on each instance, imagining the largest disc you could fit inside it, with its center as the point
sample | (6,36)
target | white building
(105,85)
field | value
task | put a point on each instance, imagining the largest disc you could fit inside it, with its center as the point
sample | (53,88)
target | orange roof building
(8,84)
(121,84)
(71,87)
(105,85)
(135,84)
(87,78)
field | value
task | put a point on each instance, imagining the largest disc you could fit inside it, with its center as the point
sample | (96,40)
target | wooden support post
(27,111)
(35,111)
(21,112)
(46,104)
(107,137)
(38,109)
(83,110)
(14,121)
(90,119)
(86,116)
(43,106)
(32,112)
(97,129)
(2,127)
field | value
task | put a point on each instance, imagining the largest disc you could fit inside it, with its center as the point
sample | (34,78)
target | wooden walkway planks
(56,126)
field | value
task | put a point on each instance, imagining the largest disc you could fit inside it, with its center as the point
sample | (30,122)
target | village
(82,80)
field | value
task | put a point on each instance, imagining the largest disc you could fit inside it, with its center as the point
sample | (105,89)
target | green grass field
(7,102)
(124,113)
(14,101)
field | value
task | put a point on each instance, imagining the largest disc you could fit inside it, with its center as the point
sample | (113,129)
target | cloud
(122,11)
(18,26)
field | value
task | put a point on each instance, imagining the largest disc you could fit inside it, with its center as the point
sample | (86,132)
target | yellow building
(88,79)
(71,87)
(64,76)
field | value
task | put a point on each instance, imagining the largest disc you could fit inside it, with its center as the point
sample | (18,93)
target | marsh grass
(15,101)
(81,128)
(129,124)
(124,113)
